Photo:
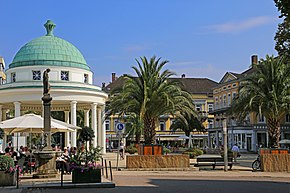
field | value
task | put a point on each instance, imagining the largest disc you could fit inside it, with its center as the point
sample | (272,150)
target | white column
(17,108)
(101,129)
(1,113)
(17,113)
(67,134)
(87,118)
(4,115)
(94,123)
(73,111)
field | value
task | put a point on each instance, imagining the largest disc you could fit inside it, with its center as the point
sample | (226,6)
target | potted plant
(84,165)
(131,149)
(7,171)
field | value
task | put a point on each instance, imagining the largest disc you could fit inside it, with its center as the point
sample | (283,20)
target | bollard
(106,169)
(61,174)
(103,167)
(17,176)
(111,170)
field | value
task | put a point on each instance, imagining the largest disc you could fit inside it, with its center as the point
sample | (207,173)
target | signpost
(119,129)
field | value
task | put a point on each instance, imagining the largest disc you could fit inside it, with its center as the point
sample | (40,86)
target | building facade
(248,134)
(202,97)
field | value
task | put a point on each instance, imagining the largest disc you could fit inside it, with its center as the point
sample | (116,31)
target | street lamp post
(224,121)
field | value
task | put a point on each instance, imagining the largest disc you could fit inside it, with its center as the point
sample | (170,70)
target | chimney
(113,76)
(183,76)
(254,59)
(103,85)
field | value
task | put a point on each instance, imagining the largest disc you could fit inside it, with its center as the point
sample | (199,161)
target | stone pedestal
(47,164)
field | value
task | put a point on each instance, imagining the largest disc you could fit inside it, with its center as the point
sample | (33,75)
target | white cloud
(238,26)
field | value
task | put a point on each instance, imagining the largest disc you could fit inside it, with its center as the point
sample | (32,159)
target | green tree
(284,7)
(266,92)
(134,126)
(150,95)
(188,122)
(282,36)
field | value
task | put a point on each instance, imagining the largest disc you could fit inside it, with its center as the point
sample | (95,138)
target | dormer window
(13,77)
(86,78)
(36,75)
(64,75)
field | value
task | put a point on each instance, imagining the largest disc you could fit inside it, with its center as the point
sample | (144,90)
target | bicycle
(256,165)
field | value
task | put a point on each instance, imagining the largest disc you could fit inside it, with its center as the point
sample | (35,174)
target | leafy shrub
(7,164)
(193,152)
(131,149)
(166,150)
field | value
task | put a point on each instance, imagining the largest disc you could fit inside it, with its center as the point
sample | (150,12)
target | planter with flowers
(84,165)
(7,171)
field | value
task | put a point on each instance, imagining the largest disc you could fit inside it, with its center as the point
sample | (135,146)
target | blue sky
(199,38)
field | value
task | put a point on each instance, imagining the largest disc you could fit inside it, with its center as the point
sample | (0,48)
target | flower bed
(7,171)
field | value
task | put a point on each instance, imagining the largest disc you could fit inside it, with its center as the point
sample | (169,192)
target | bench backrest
(209,159)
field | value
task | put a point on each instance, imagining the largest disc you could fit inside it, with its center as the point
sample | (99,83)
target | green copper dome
(49,50)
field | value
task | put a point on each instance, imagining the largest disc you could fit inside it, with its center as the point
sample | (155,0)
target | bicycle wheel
(256,165)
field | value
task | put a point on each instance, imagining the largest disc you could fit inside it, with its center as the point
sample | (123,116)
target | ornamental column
(67,134)
(101,129)
(94,123)
(17,113)
(87,118)
(17,108)
(73,111)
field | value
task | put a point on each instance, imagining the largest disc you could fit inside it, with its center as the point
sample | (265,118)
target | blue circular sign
(120,126)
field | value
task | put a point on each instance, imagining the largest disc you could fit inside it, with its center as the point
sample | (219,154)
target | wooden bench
(213,161)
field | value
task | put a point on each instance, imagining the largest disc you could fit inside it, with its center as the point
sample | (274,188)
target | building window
(234,95)
(287,118)
(216,101)
(115,124)
(221,101)
(64,75)
(234,85)
(210,123)
(261,118)
(198,107)
(210,107)
(225,100)
(107,125)
(36,75)
(162,126)
(229,99)
(13,77)
(86,78)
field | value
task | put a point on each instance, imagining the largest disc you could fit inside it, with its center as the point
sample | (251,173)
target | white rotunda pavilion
(70,79)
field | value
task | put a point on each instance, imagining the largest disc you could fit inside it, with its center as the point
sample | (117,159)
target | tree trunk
(274,132)
(149,130)
(137,137)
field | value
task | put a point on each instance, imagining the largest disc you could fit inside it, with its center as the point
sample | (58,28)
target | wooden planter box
(86,176)
(7,179)
(157,161)
(150,149)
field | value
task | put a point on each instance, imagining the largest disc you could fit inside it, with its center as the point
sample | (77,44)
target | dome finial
(49,25)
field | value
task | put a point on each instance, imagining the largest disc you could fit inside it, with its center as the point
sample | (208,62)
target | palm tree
(134,126)
(150,95)
(266,92)
(188,122)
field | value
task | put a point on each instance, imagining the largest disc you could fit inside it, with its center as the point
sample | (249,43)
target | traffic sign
(120,127)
